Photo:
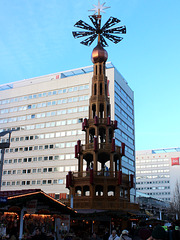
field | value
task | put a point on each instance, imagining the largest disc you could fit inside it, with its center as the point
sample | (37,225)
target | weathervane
(96,31)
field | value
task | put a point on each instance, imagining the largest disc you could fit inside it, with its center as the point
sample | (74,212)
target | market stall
(29,209)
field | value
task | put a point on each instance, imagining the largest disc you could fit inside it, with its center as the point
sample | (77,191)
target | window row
(123,113)
(153,182)
(127,160)
(125,136)
(153,166)
(153,188)
(33,182)
(119,99)
(153,176)
(154,171)
(41,147)
(45,104)
(45,125)
(40,158)
(159,193)
(39,170)
(45,94)
(45,114)
(117,86)
(151,160)
(125,125)
(47,135)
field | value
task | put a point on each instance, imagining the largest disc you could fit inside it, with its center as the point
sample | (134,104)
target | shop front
(24,211)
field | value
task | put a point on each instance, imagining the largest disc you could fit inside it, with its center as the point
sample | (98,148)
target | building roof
(44,203)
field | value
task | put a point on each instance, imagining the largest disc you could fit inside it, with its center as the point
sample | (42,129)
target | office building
(47,112)
(157,172)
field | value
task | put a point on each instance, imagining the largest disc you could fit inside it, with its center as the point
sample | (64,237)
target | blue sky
(36,39)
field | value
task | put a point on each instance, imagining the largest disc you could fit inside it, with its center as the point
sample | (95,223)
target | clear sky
(36,39)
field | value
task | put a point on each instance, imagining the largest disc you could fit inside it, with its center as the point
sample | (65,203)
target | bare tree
(175,204)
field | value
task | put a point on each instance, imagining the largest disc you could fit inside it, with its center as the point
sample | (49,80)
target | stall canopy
(32,201)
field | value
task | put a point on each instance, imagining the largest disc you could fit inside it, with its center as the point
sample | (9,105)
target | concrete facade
(47,112)
(157,172)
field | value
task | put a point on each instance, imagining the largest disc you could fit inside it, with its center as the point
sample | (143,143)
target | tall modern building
(47,112)
(157,172)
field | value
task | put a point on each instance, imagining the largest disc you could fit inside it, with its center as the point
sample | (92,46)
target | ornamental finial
(99,8)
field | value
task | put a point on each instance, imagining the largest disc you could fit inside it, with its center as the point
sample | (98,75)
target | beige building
(157,172)
(47,112)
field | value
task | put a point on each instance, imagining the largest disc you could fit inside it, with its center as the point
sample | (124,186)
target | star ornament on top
(99,8)
(106,31)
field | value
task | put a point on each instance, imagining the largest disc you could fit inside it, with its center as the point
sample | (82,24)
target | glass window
(60,181)
(39,170)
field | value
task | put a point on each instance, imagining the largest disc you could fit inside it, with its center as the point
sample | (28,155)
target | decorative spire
(97,31)
(99,8)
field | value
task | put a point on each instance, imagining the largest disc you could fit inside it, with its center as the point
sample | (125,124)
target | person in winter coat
(113,236)
(125,235)
(158,233)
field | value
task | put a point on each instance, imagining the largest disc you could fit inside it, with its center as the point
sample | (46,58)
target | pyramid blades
(83,25)
(79,34)
(103,41)
(121,29)
(110,22)
(94,20)
(114,39)
(88,41)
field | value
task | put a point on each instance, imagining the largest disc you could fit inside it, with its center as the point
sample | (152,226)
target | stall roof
(43,202)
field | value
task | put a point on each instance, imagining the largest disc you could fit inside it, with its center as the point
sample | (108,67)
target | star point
(99,8)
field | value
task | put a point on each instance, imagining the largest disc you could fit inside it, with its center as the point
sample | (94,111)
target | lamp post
(3,146)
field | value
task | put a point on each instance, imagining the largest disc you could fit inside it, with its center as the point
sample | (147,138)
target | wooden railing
(104,146)
(100,175)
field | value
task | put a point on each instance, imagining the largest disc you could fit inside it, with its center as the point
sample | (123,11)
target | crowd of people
(142,231)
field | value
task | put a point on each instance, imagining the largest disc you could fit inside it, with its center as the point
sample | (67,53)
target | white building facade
(47,112)
(157,172)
